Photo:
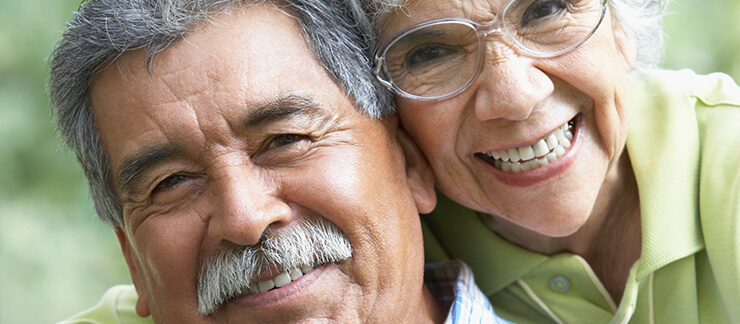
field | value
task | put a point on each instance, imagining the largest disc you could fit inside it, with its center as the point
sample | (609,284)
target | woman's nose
(509,85)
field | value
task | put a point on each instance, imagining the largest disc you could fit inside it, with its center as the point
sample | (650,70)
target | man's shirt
(453,286)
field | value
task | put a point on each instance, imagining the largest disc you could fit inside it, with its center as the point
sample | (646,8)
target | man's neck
(432,311)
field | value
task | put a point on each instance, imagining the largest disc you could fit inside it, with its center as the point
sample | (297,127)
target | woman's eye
(170,182)
(542,9)
(432,53)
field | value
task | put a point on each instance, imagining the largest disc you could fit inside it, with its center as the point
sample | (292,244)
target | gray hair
(104,30)
(641,18)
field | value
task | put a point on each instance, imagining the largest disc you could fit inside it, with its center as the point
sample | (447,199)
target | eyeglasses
(438,59)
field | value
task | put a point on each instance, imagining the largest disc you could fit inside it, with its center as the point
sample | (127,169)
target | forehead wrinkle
(480,10)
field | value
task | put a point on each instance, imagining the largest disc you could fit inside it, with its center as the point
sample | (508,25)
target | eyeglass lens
(439,59)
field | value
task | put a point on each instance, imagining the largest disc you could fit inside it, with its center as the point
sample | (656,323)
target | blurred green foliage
(703,36)
(56,258)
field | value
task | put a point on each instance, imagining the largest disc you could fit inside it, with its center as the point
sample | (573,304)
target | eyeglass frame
(482,30)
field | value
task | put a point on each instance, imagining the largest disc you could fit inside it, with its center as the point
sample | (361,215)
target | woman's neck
(610,240)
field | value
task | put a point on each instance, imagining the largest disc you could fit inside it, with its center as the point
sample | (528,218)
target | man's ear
(142,307)
(624,37)
(418,173)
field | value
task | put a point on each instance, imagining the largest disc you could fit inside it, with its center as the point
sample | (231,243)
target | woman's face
(515,102)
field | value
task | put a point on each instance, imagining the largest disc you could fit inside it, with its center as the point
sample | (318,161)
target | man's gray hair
(104,30)
(642,18)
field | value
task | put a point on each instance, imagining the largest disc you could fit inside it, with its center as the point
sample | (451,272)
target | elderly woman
(583,186)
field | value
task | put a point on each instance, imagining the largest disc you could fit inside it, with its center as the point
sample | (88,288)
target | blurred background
(56,258)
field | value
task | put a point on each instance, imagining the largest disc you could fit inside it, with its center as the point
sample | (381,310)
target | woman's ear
(142,307)
(418,173)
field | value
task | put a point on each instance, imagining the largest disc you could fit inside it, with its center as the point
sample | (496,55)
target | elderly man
(243,183)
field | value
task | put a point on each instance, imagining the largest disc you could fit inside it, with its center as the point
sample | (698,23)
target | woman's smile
(531,157)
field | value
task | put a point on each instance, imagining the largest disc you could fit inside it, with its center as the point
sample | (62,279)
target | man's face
(238,133)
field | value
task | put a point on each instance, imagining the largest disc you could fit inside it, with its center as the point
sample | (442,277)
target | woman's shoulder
(715,89)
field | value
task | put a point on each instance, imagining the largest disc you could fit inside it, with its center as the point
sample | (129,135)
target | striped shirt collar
(452,284)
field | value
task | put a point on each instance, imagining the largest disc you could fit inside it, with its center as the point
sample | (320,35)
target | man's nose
(509,86)
(246,202)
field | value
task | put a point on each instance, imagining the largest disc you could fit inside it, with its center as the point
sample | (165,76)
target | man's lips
(530,157)
(298,292)
(279,280)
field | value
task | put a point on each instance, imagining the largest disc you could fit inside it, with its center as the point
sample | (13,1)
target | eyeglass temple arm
(378,67)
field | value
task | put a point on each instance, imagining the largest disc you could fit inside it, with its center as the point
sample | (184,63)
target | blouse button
(559,284)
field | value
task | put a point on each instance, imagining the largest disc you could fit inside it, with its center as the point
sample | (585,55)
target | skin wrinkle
(134,168)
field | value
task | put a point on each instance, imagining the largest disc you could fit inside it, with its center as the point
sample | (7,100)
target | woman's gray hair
(104,30)
(641,18)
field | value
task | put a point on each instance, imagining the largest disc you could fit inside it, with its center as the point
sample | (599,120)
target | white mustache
(312,242)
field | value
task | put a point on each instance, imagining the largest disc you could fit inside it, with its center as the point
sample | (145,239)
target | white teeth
(506,166)
(513,154)
(526,167)
(516,167)
(564,141)
(530,157)
(266,285)
(551,157)
(559,151)
(526,153)
(542,161)
(540,148)
(306,268)
(552,142)
(295,274)
(280,280)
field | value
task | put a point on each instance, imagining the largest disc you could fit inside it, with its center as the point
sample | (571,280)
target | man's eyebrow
(136,165)
(283,107)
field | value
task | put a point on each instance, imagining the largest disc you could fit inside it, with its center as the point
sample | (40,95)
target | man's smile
(280,280)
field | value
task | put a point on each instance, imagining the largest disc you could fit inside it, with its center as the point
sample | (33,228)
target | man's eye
(170,182)
(286,139)
(542,9)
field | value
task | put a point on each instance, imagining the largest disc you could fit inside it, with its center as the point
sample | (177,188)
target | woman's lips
(531,157)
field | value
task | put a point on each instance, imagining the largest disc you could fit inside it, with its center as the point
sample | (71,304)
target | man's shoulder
(118,305)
